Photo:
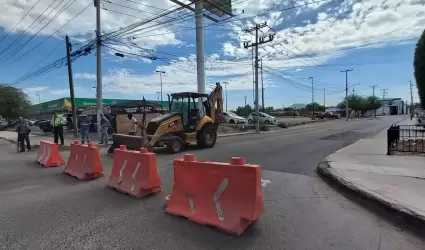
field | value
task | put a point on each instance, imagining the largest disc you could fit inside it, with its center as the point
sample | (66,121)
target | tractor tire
(175,146)
(207,137)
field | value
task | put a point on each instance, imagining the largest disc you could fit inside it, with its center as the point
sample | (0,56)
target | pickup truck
(329,115)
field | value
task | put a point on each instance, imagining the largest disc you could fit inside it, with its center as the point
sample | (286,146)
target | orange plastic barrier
(134,172)
(227,196)
(84,162)
(48,155)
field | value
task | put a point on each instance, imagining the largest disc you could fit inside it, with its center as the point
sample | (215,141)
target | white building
(298,106)
(392,106)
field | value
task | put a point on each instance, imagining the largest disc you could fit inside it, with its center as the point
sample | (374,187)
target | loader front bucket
(130,141)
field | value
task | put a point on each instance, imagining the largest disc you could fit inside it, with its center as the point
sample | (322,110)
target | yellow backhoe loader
(193,118)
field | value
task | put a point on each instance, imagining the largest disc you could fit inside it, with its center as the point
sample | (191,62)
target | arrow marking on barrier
(48,154)
(84,162)
(42,155)
(191,204)
(136,170)
(265,182)
(76,157)
(216,197)
(121,170)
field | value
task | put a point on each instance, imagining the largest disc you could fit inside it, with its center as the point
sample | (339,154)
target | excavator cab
(192,119)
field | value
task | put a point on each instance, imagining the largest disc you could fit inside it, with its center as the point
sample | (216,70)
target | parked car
(45,126)
(3,124)
(233,118)
(12,123)
(329,115)
(264,118)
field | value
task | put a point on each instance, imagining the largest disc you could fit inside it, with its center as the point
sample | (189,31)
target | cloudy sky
(318,39)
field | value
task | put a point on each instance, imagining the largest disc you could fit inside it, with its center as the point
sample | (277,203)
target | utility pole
(384,93)
(346,91)
(200,53)
(258,41)
(160,78)
(99,99)
(324,98)
(353,90)
(39,104)
(246,113)
(71,86)
(253,76)
(225,91)
(373,91)
(262,85)
(157,95)
(312,96)
(411,98)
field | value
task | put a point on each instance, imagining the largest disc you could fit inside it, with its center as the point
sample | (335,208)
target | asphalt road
(44,209)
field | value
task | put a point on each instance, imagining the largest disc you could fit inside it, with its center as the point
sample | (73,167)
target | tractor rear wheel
(207,137)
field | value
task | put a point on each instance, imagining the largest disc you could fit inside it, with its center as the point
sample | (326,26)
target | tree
(244,111)
(317,107)
(13,102)
(419,68)
(360,105)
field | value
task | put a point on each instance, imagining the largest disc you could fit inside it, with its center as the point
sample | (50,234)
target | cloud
(85,76)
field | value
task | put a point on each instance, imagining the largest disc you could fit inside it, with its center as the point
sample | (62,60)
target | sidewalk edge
(409,216)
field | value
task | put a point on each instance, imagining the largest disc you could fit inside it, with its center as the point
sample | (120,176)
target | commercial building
(392,106)
(63,105)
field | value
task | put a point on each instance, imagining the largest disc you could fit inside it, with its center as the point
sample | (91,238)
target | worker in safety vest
(57,122)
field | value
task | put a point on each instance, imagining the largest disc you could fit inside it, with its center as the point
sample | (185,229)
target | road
(44,209)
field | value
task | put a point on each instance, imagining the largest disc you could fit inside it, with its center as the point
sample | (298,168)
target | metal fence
(406,138)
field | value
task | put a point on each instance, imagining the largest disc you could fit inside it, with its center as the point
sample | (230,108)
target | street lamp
(225,90)
(160,78)
(39,104)
(158,95)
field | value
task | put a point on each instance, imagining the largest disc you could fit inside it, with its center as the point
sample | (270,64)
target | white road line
(265,182)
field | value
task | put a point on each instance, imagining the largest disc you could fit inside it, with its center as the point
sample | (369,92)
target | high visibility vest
(56,121)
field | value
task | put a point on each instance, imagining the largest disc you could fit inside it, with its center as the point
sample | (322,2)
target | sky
(318,39)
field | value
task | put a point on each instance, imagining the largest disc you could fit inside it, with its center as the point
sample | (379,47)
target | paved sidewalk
(395,182)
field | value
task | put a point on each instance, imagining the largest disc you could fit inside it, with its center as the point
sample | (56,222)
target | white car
(233,118)
(264,118)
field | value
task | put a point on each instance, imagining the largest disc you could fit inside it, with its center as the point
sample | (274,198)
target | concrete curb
(35,146)
(404,213)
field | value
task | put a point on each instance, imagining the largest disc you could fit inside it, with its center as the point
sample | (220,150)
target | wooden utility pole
(384,93)
(258,41)
(373,92)
(346,91)
(71,86)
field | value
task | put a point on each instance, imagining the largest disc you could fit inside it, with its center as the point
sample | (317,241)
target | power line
(16,24)
(51,35)
(16,51)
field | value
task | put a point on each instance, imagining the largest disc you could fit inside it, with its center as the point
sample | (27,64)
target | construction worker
(23,129)
(57,122)
(84,126)
(133,125)
(104,126)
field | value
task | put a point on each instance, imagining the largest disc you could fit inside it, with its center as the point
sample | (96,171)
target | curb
(35,146)
(405,214)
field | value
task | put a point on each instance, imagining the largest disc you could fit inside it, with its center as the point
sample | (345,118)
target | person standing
(84,126)
(58,121)
(133,125)
(23,129)
(104,126)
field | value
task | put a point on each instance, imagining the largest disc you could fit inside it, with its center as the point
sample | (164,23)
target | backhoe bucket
(130,141)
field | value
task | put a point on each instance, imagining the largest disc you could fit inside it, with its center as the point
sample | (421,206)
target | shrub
(282,125)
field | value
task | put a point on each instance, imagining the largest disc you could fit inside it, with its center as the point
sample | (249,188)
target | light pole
(245,107)
(157,97)
(346,91)
(312,95)
(39,104)
(373,91)
(225,90)
(160,78)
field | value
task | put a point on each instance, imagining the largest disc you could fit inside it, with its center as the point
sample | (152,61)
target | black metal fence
(406,138)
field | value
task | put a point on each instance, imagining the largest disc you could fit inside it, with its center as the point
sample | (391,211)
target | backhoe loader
(193,118)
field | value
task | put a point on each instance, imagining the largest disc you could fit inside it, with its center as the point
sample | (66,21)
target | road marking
(216,197)
(265,182)
(121,170)
(134,176)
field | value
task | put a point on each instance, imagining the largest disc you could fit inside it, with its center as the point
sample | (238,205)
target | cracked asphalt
(45,209)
